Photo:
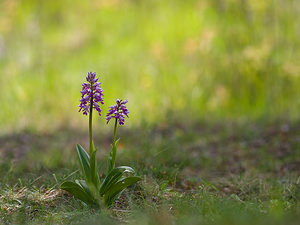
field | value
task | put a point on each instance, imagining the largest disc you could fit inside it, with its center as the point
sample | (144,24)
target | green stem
(115,131)
(114,149)
(91,149)
(113,152)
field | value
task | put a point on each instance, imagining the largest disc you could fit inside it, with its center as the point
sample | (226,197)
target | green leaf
(126,169)
(112,157)
(84,186)
(110,179)
(94,170)
(117,188)
(79,191)
(84,160)
(113,177)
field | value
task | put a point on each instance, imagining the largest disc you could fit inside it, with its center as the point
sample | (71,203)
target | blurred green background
(173,60)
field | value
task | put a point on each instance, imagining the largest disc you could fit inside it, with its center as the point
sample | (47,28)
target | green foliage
(115,182)
(84,161)
(94,171)
(112,177)
(80,190)
(112,157)
(89,190)
(117,188)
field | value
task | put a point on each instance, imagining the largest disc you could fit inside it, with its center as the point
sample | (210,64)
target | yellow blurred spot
(11,70)
(201,5)
(258,54)
(74,40)
(191,46)
(146,82)
(9,6)
(9,9)
(5,25)
(20,92)
(201,44)
(206,40)
(109,3)
(258,5)
(158,51)
(193,77)
(291,69)
(179,103)
(219,98)
(149,106)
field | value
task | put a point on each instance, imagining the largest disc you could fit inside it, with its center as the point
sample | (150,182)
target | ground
(199,173)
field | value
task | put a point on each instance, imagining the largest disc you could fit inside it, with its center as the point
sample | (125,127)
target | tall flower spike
(118,111)
(91,93)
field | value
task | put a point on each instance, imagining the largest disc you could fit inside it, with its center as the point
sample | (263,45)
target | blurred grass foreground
(176,59)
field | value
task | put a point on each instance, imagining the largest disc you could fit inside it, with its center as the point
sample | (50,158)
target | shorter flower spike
(91,93)
(118,111)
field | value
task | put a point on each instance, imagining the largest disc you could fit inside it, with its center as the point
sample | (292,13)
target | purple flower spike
(91,93)
(118,111)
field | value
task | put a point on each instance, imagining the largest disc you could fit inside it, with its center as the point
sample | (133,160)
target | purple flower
(118,111)
(91,93)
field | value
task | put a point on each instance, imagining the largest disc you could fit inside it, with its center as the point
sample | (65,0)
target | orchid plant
(90,190)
